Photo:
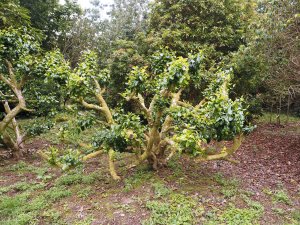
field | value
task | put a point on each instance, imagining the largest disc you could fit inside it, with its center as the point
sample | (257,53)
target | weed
(178,210)
(253,204)
(136,180)
(52,216)
(69,179)
(221,180)
(22,186)
(92,177)
(296,215)
(175,166)
(160,189)
(23,167)
(229,186)
(20,166)
(234,216)
(267,191)
(38,203)
(278,211)
(229,192)
(87,221)
(78,178)
(85,192)
(240,216)
(11,205)
(4,190)
(57,193)
(281,196)
(125,208)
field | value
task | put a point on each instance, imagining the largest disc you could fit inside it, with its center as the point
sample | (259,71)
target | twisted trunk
(9,118)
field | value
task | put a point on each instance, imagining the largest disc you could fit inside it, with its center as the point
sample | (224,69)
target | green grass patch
(281,196)
(279,211)
(21,187)
(28,206)
(160,189)
(296,216)
(77,177)
(229,187)
(18,209)
(137,179)
(253,204)
(176,167)
(57,193)
(235,216)
(177,209)
(272,117)
(84,192)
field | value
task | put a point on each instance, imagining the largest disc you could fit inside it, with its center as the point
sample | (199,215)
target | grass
(84,192)
(253,204)
(177,209)
(13,208)
(235,216)
(272,117)
(77,177)
(137,179)
(278,196)
(57,193)
(176,167)
(278,211)
(296,216)
(281,196)
(26,208)
(229,187)
(28,201)
(160,189)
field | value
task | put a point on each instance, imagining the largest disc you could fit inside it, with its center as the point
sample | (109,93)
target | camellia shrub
(164,124)
(21,63)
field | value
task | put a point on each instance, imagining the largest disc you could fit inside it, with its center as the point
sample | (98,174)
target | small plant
(229,186)
(278,211)
(178,210)
(136,180)
(281,196)
(52,216)
(70,159)
(85,192)
(69,179)
(39,127)
(160,190)
(20,166)
(234,216)
(253,204)
(296,215)
(57,193)
(4,190)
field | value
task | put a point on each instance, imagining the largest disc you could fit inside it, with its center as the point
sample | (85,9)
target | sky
(86,3)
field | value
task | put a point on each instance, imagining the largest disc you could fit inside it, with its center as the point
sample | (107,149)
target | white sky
(86,3)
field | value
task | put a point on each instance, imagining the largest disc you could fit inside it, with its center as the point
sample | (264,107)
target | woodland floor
(264,188)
